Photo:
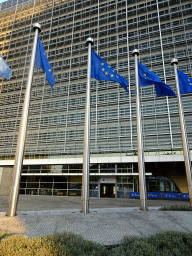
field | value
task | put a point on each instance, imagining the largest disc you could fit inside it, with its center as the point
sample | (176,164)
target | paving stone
(104,225)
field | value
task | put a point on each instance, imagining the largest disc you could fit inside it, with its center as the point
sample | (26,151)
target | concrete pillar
(5,180)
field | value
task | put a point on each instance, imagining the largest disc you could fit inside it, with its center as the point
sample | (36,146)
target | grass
(169,243)
(176,208)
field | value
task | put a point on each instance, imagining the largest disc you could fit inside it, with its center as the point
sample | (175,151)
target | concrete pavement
(106,224)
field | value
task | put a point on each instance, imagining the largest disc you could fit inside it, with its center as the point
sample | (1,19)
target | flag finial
(37,26)
(135,51)
(89,40)
(174,61)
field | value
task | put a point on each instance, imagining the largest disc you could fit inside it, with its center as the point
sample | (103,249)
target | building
(54,147)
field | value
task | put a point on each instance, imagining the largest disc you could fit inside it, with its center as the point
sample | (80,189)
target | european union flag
(147,77)
(41,61)
(101,70)
(185,83)
(5,70)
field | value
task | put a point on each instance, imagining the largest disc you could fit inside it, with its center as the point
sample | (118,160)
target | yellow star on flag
(103,69)
(49,70)
(108,66)
(190,83)
(102,63)
(144,74)
(106,73)
(0,58)
(112,75)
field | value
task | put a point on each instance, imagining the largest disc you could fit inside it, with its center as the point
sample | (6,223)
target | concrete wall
(5,180)
(111,158)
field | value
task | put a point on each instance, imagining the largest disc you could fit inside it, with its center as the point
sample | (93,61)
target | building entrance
(107,190)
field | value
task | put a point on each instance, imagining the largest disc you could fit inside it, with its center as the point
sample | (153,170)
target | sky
(2,1)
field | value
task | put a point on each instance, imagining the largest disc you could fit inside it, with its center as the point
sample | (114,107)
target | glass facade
(66,179)
(40,181)
(160,29)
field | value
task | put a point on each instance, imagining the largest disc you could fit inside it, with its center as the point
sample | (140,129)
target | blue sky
(2,1)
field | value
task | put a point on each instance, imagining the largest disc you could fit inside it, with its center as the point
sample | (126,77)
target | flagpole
(86,148)
(186,151)
(141,164)
(16,176)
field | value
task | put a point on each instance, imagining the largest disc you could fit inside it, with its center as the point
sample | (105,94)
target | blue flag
(147,77)
(5,70)
(41,61)
(185,83)
(101,70)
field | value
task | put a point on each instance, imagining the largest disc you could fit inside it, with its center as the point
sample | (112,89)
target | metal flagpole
(86,148)
(141,164)
(16,176)
(186,151)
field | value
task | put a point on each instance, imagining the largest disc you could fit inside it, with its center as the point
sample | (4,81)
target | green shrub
(169,243)
(4,234)
(70,244)
(21,245)
(162,244)
(176,208)
(59,244)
